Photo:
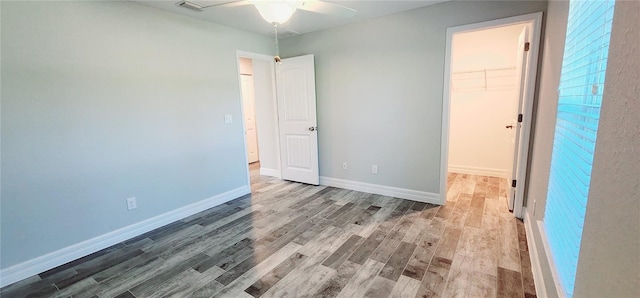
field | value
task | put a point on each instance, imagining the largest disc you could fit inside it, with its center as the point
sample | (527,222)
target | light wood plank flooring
(294,240)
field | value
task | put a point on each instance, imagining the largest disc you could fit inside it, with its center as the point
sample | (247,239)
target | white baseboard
(552,264)
(538,280)
(54,259)
(479,171)
(270,172)
(403,193)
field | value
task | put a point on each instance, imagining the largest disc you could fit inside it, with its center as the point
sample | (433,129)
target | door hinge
(513,183)
(527,45)
(519,117)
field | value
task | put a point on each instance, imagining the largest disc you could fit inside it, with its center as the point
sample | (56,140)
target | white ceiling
(247,17)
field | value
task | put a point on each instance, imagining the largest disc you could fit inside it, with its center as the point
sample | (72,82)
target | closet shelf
(484,79)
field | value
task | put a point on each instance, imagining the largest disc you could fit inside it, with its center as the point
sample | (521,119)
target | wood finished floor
(294,240)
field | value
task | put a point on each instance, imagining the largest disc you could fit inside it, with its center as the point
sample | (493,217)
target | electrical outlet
(131,203)
(374,169)
(344,165)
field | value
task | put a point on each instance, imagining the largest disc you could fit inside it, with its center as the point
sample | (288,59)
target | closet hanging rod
(486,69)
(477,78)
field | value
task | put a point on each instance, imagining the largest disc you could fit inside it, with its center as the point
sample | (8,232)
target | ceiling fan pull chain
(277,57)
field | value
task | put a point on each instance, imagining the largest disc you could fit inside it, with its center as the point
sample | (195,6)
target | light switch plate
(132,203)
(228,118)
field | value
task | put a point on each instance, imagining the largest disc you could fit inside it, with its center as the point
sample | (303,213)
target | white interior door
(296,93)
(521,81)
(248,102)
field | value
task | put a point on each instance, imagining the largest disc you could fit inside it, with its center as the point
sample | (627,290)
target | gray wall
(610,249)
(544,128)
(102,101)
(379,90)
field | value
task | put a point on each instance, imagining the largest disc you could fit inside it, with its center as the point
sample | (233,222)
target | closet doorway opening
(487,106)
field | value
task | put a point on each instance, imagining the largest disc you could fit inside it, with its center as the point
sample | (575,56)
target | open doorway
(259,114)
(487,105)
(484,100)
(485,91)
(249,111)
(280,126)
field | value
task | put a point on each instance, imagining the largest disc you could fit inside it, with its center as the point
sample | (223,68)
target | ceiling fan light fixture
(275,11)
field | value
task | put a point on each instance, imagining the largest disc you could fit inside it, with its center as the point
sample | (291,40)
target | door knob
(509,126)
(313,128)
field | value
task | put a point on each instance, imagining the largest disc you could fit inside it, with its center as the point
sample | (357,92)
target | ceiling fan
(278,12)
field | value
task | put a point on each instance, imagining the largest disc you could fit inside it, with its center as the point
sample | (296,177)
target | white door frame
(535,19)
(255,56)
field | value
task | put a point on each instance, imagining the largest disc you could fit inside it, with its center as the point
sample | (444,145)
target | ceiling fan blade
(327,8)
(230,4)
(200,7)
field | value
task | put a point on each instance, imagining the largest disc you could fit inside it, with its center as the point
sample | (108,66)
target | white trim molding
(54,259)
(403,193)
(500,173)
(552,264)
(536,268)
(270,172)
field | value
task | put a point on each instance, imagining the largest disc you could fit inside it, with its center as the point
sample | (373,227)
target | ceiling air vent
(190,5)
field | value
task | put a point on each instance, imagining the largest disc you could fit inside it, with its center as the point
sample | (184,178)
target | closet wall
(484,97)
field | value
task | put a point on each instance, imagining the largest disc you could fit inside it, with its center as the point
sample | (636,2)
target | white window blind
(581,87)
